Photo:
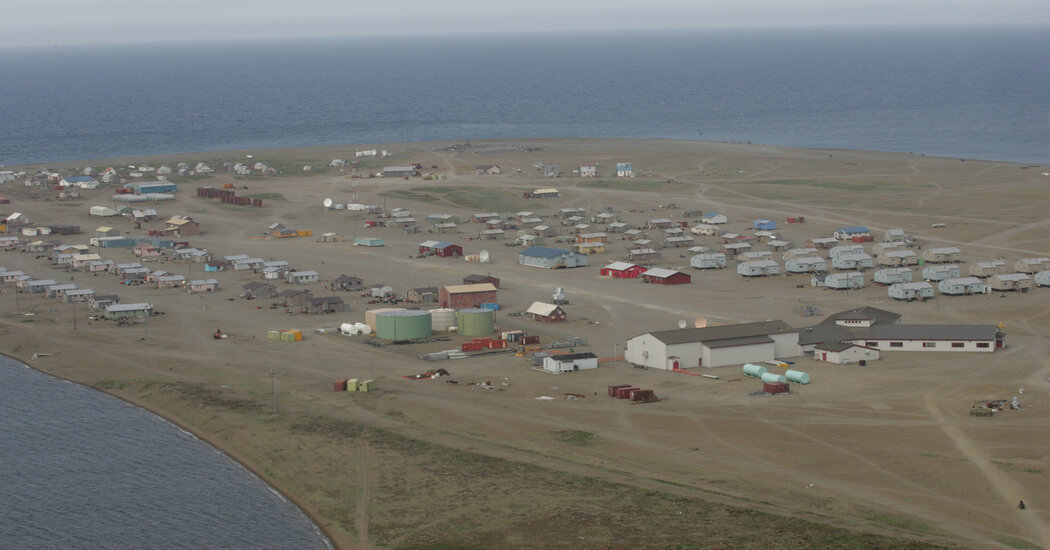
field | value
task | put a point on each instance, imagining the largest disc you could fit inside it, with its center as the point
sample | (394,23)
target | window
(929,344)
(871,344)
(983,345)
(896,344)
(958,345)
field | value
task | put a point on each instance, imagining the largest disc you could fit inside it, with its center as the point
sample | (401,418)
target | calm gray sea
(975,92)
(80,469)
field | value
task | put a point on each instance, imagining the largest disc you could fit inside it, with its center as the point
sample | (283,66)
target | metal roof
(743,330)
(731,342)
(932,332)
(544,252)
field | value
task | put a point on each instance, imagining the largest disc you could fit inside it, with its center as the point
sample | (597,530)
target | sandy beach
(864,457)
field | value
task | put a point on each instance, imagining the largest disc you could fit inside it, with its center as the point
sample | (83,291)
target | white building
(893,275)
(840,281)
(844,353)
(714,260)
(962,285)
(570,362)
(806,264)
(911,291)
(758,268)
(941,272)
(714,346)
(853,261)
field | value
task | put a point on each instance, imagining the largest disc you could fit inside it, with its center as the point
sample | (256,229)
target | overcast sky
(40,22)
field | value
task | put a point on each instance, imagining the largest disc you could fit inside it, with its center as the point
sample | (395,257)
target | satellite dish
(327,203)
(682,323)
(700,322)
(483,256)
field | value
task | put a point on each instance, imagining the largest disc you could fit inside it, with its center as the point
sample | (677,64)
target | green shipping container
(273,335)
(351,384)
(287,337)
(367,385)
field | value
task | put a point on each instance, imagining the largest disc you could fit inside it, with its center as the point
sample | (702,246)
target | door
(824,356)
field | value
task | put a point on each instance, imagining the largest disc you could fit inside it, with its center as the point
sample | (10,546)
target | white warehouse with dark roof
(714,346)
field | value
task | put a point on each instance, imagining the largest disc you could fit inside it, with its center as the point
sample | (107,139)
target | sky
(55,22)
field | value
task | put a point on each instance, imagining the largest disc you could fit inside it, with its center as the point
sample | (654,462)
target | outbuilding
(844,353)
(570,362)
(540,311)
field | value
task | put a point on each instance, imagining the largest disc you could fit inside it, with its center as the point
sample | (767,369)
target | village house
(441,249)
(202,285)
(847,233)
(661,276)
(622,270)
(547,313)
(893,275)
(942,255)
(99,302)
(325,304)
(482,217)
(468,296)
(487,169)
(79,295)
(624,170)
(398,172)
(764,224)
(1010,281)
(589,248)
(941,272)
(878,249)
(642,255)
(962,286)
(256,290)
(302,277)
(476,279)
(658,223)
(734,249)
(346,282)
(679,242)
(551,171)
(294,297)
(756,255)
(59,290)
(588,170)
(543,193)
(551,258)
(822,242)
(987,269)
(920,290)
(571,212)
(80,261)
(853,261)
(713,260)
(171,281)
(1031,265)
(713,218)
(1042,278)
(490,234)
(146,250)
(422,295)
(806,264)
(839,281)
(758,268)
(128,311)
(899,258)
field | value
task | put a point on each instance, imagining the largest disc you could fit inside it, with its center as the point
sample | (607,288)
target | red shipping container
(526,340)
(612,389)
(624,393)
(776,387)
(642,395)
(339,385)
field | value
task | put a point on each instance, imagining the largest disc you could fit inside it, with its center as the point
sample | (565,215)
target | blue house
(844,233)
(551,258)
(764,225)
(146,187)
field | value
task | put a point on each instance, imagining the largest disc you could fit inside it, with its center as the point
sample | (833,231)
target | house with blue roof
(551,258)
(714,218)
(846,233)
(624,170)
(83,182)
(764,224)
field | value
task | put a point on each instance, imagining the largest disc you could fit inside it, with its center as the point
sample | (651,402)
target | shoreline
(205,436)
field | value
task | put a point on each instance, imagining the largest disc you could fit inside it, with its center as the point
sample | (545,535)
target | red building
(468,296)
(661,276)
(443,249)
(622,270)
(546,312)
(479,279)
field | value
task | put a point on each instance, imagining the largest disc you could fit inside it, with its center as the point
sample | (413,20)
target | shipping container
(613,389)
(366,386)
(339,385)
(642,395)
(624,393)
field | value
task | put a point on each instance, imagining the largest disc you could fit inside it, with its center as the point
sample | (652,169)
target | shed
(622,270)
(570,362)
(540,311)
(844,353)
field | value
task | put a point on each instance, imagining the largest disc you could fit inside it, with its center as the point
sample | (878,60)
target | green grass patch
(575,437)
(493,199)
(852,186)
(1017,543)
(904,523)
(268,196)
(632,184)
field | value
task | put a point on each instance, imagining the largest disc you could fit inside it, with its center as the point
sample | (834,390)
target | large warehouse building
(714,346)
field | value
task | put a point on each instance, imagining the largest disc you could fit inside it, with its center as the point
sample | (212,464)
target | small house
(422,295)
(488,169)
(941,272)
(79,295)
(203,285)
(551,258)
(256,290)
(822,242)
(182,226)
(477,279)
(899,258)
(893,275)
(294,297)
(658,223)
(843,281)
(896,235)
(843,249)
(1010,281)
(544,193)
(171,281)
(734,249)
(490,234)
(853,261)
(551,171)
(1031,265)
(962,286)
(347,283)
(622,270)
(764,224)
(571,211)
(942,255)
(679,242)
(758,268)
(484,217)
(99,302)
(624,170)
(847,233)
(59,290)
(878,249)
(713,260)
(920,290)
(302,277)
(128,311)
(806,264)
(441,249)
(714,218)
(368,241)
(589,248)
(661,276)
(987,269)
(325,304)
(398,171)
(755,255)
(588,171)
(570,362)
(546,313)
(1042,278)
(642,255)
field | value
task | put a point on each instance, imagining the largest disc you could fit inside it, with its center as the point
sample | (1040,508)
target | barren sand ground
(887,449)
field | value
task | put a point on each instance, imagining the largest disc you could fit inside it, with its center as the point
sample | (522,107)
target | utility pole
(273,396)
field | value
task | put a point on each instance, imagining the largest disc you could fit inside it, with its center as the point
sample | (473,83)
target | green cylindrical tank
(797,376)
(476,322)
(771,377)
(407,324)
(754,370)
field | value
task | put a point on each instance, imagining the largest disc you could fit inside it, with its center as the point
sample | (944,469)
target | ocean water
(962,91)
(83,470)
